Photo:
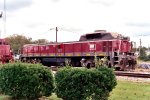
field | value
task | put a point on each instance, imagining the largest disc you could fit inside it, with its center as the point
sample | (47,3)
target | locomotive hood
(101,35)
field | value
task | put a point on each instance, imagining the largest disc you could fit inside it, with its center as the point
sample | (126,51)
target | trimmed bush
(82,84)
(71,84)
(26,81)
(103,83)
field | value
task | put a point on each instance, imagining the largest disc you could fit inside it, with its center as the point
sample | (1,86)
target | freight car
(6,54)
(115,47)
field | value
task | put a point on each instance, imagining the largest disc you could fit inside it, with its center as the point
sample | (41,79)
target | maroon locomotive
(100,43)
(5,52)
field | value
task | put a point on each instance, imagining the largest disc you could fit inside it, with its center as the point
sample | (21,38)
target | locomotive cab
(5,51)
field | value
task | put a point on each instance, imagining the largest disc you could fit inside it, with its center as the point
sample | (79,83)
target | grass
(54,97)
(3,97)
(125,90)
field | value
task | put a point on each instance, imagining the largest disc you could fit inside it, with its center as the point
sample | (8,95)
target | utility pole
(140,47)
(56,29)
(135,46)
(56,33)
(1,15)
(4,17)
(56,45)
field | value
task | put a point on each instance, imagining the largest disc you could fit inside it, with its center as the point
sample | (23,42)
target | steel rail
(132,74)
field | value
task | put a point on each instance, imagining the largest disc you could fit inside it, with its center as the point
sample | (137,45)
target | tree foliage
(41,41)
(17,41)
(143,55)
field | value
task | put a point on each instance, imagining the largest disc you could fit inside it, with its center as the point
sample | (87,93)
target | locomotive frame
(101,45)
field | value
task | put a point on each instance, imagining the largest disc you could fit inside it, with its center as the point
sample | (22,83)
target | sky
(38,18)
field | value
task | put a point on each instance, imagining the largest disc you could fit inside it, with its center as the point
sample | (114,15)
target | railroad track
(124,73)
(132,74)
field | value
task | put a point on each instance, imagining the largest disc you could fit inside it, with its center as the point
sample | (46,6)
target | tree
(41,41)
(142,53)
(17,41)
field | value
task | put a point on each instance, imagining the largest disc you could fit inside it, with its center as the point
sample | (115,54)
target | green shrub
(82,84)
(71,84)
(26,81)
(103,82)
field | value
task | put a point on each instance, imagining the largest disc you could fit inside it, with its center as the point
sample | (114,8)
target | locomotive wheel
(117,68)
(109,65)
(88,66)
